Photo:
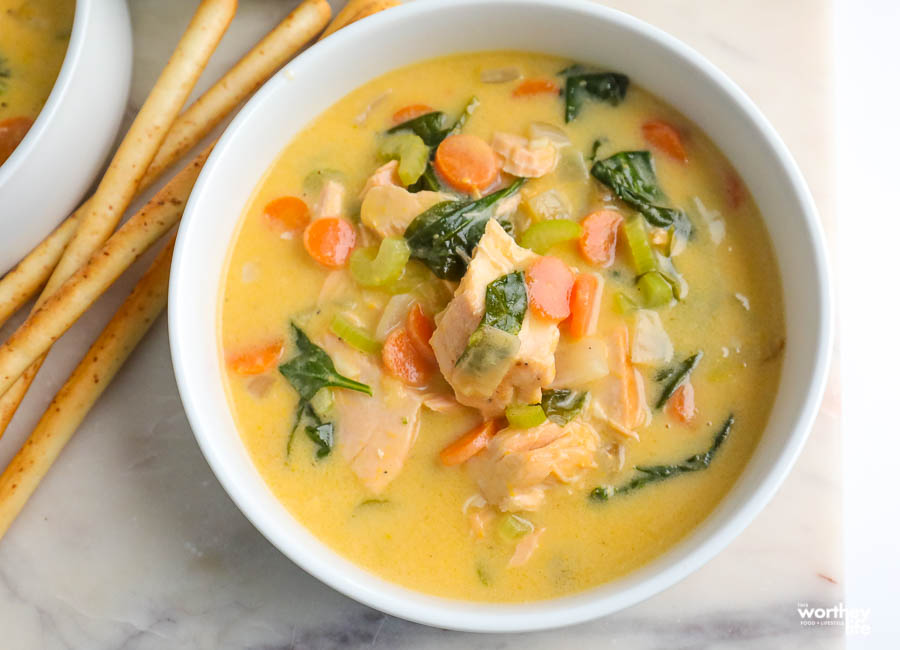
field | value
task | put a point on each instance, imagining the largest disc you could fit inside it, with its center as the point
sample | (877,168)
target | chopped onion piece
(500,75)
(360,119)
(394,315)
(550,132)
(650,344)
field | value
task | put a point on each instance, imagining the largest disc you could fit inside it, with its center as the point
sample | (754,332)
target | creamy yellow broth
(415,533)
(34,35)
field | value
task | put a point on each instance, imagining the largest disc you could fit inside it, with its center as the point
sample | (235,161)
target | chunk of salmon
(496,255)
(384,175)
(389,209)
(480,519)
(519,465)
(526,548)
(331,200)
(620,398)
(373,434)
(523,157)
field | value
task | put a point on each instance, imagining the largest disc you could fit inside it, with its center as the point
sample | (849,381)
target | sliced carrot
(466,162)
(549,282)
(469,444)
(532,87)
(12,132)
(255,360)
(403,360)
(664,137)
(287,214)
(734,189)
(329,241)
(584,305)
(681,404)
(411,112)
(421,327)
(598,237)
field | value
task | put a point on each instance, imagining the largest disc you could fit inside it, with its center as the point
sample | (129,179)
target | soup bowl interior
(580,31)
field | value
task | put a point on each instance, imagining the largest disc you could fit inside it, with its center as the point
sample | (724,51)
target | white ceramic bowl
(584,32)
(54,165)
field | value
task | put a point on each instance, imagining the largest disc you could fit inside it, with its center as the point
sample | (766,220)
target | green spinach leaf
(429,127)
(630,175)
(609,87)
(648,474)
(317,430)
(563,404)
(444,236)
(677,377)
(505,302)
(312,369)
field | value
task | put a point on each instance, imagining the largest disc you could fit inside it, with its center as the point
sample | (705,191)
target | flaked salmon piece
(384,175)
(620,398)
(518,465)
(533,368)
(480,519)
(388,209)
(506,207)
(331,200)
(373,434)
(523,157)
(440,402)
(526,548)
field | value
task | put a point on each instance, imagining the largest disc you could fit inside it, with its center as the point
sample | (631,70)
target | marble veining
(131,543)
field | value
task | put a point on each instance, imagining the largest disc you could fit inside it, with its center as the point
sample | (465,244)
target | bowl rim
(58,92)
(566,610)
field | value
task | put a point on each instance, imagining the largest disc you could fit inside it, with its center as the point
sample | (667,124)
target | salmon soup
(501,327)
(34,35)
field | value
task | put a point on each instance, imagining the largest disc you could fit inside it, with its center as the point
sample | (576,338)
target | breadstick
(120,181)
(50,321)
(269,54)
(357,10)
(26,279)
(87,382)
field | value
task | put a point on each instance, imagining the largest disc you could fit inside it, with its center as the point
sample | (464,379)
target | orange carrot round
(287,214)
(469,444)
(681,404)
(329,241)
(411,112)
(403,360)
(420,327)
(598,237)
(532,87)
(12,132)
(550,282)
(584,305)
(255,360)
(466,162)
(664,137)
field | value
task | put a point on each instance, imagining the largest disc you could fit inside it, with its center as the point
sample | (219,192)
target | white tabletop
(130,542)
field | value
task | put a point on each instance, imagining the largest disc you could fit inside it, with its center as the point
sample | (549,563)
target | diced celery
(414,274)
(547,205)
(512,527)
(639,245)
(353,335)
(489,354)
(524,416)
(323,403)
(669,272)
(377,268)
(315,180)
(623,304)
(410,150)
(544,235)
(655,291)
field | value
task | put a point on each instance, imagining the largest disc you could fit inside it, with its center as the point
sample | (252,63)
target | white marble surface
(130,542)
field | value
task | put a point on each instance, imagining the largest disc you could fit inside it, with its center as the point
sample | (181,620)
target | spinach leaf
(320,432)
(429,127)
(445,235)
(429,180)
(312,369)
(563,404)
(609,87)
(505,302)
(654,473)
(630,175)
(467,112)
(676,377)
